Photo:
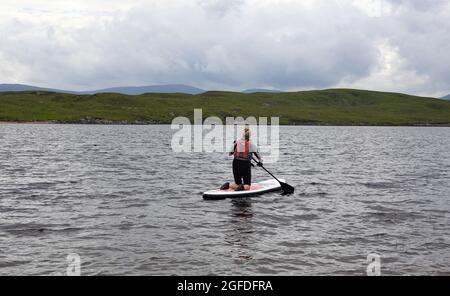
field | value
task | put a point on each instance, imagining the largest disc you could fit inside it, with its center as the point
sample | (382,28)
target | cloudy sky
(392,45)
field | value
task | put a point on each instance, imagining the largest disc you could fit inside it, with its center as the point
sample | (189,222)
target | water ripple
(119,197)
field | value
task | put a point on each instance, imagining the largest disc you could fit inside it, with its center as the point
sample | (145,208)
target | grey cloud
(230,45)
(420,30)
(422,5)
(220,7)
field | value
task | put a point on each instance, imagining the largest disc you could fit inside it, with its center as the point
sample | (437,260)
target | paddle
(287,189)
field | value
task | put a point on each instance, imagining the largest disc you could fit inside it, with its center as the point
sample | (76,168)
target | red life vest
(241,151)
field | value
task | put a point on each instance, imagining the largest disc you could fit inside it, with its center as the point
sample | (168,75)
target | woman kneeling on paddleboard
(243,151)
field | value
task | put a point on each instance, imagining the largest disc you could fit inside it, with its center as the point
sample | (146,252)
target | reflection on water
(241,209)
(241,235)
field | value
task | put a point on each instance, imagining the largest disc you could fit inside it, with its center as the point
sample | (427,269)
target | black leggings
(242,171)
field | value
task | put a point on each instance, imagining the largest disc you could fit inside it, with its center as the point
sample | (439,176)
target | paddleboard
(256,189)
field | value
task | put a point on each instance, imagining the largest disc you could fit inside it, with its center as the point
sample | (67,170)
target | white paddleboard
(256,189)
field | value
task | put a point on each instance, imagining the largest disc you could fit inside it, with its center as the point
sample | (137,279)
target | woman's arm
(255,151)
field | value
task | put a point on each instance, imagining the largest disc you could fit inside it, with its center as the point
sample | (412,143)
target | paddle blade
(287,189)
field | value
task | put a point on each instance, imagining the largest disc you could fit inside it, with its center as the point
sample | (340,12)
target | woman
(243,152)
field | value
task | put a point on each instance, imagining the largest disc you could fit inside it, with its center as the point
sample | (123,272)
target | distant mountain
(447,97)
(261,90)
(23,87)
(128,90)
(138,90)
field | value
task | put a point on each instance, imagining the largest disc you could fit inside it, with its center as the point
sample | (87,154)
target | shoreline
(340,107)
(144,123)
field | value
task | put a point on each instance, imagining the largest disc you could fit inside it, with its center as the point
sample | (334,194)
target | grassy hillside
(337,107)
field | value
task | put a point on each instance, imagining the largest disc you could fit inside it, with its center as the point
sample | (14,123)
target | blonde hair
(247,134)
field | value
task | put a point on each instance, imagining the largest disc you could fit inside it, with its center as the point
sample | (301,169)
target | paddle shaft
(271,174)
(268,171)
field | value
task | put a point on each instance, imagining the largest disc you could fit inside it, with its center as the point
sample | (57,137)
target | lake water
(119,197)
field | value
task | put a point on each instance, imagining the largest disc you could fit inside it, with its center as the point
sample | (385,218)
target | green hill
(333,107)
